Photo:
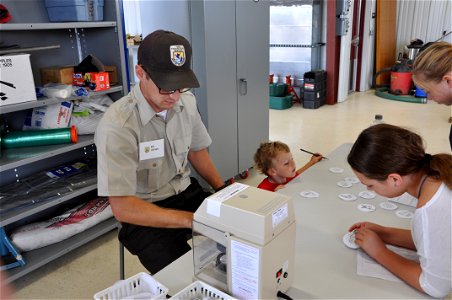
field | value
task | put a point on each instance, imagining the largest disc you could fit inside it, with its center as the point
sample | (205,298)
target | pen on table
(312,153)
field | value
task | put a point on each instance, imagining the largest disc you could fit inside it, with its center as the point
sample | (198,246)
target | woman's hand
(368,237)
(368,225)
(369,241)
(388,235)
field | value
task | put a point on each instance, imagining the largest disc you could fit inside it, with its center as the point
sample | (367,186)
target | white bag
(88,113)
(76,220)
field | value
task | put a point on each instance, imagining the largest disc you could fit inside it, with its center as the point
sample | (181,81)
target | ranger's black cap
(166,57)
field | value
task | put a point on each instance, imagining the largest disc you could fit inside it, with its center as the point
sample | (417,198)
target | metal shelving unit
(55,26)
(42,256)
(29,210)
(48,101)
(30,49)
(18,157)
(52,44)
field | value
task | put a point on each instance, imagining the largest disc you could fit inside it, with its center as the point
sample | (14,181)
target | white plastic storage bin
(201,290)
(140,286)
(75,10)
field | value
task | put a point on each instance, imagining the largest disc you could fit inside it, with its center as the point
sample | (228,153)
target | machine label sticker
(152,149)
(244,270)
(214,201)
(280,215)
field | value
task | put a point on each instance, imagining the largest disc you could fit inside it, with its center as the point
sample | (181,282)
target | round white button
(351,179)
(406,214)
(309,194)
(365,207)
(344,183)
(388,205)
(336,170)
(367,194)
(349,240)
(347,197)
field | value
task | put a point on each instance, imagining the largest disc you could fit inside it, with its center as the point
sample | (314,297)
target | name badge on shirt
(152,149)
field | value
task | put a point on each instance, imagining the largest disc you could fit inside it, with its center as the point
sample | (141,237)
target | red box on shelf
(96,81)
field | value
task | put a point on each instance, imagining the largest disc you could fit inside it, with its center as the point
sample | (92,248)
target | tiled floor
(93,267)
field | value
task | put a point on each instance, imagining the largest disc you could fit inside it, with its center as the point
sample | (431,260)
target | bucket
(400,83)
(400,79)
(420,93)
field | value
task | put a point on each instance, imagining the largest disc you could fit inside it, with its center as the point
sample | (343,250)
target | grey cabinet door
(252,31)
(230,58)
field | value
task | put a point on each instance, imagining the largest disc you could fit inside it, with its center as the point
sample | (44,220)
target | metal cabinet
(230,58)
(52,44)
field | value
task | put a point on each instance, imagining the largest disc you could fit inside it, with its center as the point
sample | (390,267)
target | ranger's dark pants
(158,247)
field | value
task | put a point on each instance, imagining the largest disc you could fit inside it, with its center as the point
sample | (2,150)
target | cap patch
(177,53)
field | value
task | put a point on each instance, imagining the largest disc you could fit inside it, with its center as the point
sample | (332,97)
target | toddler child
(275,160)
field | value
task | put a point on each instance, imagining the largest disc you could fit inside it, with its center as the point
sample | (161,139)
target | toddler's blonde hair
(266,152)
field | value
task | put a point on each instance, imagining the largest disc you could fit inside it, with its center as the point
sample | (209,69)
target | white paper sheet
(245,270)
(367,266)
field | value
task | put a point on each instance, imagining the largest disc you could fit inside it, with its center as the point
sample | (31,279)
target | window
(290,41)
(295,32)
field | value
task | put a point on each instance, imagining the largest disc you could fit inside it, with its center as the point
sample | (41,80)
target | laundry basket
(140,286)
(201,290)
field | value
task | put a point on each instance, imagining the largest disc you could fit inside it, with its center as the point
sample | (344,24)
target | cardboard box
(16,79)
(95,81)
(64,74)
(57,74)
(112,73)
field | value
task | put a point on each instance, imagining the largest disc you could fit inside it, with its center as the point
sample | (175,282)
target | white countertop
(324,266)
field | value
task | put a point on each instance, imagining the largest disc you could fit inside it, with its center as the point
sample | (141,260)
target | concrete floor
(95,266)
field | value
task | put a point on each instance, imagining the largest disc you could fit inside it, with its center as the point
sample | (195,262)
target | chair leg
(121,261)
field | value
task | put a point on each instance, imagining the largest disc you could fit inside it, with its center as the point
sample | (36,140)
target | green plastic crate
(281,102)
(277,90)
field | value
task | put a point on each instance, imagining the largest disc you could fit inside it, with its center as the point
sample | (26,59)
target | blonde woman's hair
(433,63)
(266,152)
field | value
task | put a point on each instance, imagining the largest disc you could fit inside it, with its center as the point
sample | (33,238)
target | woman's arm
(389,235)
(371,242)
(407,270)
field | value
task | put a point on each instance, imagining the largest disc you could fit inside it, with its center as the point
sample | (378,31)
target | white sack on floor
(76,220)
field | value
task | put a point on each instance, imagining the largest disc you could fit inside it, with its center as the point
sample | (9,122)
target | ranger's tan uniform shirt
(131,121)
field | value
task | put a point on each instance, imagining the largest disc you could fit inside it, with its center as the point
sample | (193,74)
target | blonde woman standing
(432,71)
